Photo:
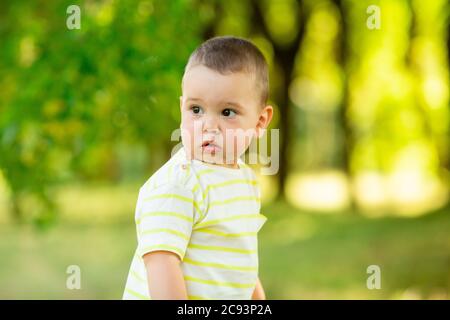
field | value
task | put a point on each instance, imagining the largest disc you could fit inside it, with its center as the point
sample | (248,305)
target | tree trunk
(347,138)
(16,211)
(285,58)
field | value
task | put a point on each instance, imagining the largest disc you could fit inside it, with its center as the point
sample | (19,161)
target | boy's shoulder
(179,173)
(175,172)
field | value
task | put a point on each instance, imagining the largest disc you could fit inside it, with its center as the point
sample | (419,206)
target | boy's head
(225,91)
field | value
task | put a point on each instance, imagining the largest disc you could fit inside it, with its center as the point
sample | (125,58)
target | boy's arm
(258,293)
(165,277)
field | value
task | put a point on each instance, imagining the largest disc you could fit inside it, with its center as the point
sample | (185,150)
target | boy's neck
(229,166)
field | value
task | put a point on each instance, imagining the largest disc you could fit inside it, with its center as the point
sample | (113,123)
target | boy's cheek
(186,135)
(188,131)
(241,140)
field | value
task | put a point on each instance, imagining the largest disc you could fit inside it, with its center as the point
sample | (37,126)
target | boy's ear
(264,120)
(181,101)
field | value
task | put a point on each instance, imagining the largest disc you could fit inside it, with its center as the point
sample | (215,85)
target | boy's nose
(212,131)
(211,125)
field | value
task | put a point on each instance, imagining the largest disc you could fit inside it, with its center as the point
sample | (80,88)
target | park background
(363,110)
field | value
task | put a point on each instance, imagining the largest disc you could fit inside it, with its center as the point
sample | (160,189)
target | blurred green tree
(70,98)
(102,101)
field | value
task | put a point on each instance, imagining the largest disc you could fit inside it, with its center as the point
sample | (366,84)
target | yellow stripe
(235,199)
(218,265)
(169,195)
(220,248)
(236,217)
(176,196)
(230,235)
(138,277)
(231,182)
(187,173)
(197,298)
(228,183)
(163,247)
(204,171)
(136,294)
(220,283)
(198,175)
(163,213)
(159,230)
(195,187)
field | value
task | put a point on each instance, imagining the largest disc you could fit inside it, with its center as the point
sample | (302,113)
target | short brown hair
(228,54)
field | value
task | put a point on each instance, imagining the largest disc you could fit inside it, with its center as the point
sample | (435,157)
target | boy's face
(220,114)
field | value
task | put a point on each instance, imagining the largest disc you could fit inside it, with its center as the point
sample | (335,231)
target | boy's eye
(228,112)
(196,109)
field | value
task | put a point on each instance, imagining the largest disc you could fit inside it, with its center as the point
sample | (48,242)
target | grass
(328,259)
(302,255)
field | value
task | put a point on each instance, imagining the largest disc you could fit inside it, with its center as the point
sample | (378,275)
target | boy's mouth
(206,143)
(210,147)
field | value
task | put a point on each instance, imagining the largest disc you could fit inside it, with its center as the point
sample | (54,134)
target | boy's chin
(217,158)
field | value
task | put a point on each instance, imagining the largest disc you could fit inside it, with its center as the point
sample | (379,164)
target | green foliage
(68,98)
(100,103)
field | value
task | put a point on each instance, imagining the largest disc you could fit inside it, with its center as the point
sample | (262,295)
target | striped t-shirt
(209,216)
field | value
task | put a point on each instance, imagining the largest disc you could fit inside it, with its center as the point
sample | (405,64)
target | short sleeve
(164,219)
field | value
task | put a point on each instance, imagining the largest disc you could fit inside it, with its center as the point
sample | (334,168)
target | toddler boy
(198,216)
